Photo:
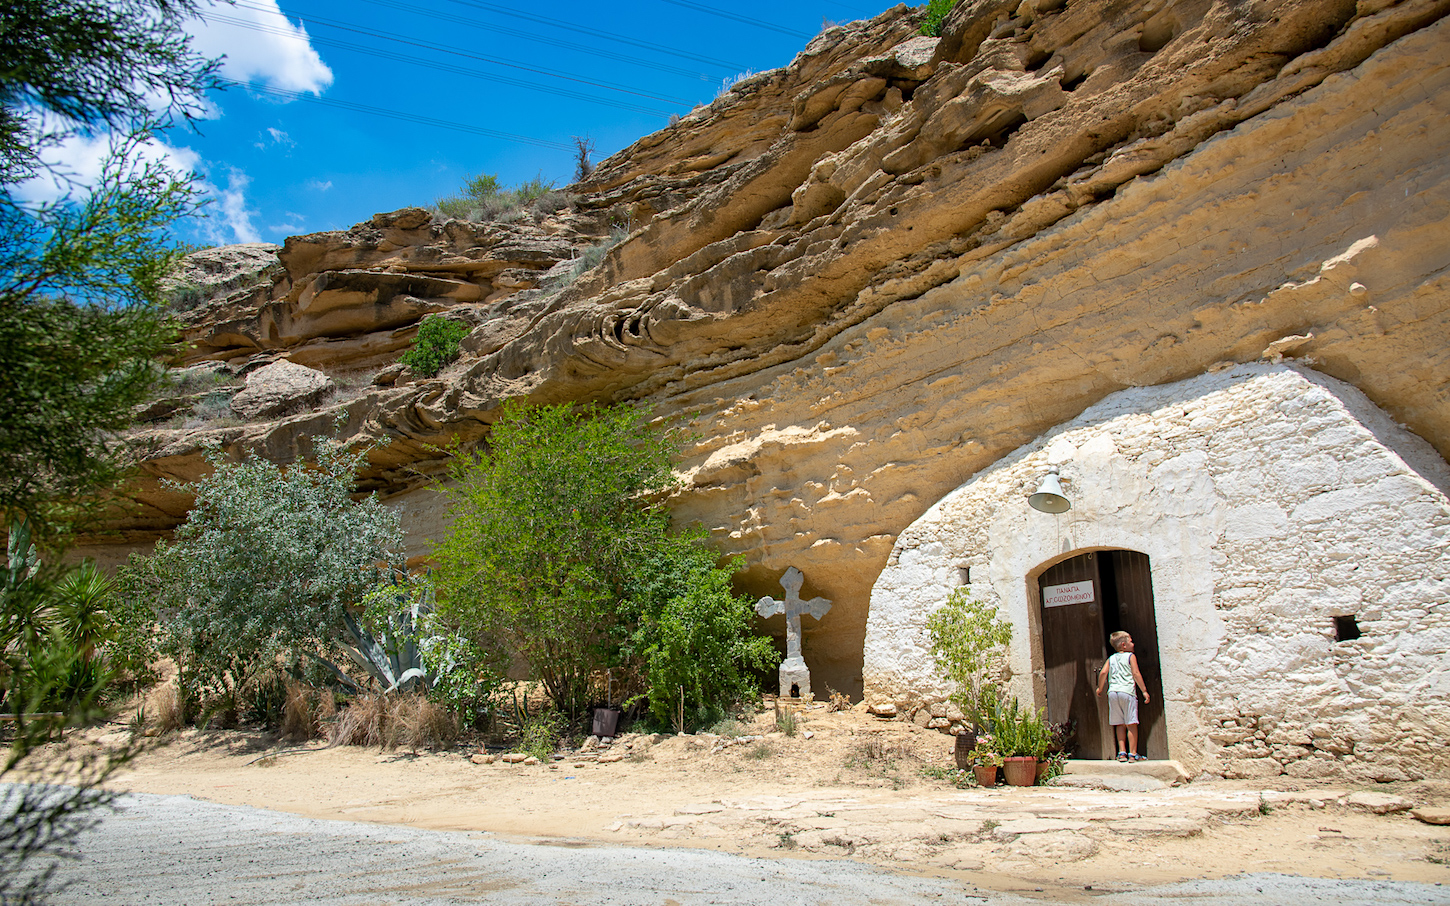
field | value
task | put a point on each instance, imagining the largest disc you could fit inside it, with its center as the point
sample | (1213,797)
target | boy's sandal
(1136,757)
(1122,756)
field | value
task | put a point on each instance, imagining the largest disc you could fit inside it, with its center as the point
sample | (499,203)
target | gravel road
(166,850)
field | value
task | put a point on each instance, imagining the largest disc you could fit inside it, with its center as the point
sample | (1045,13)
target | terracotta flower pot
(1020,770)
(986,775)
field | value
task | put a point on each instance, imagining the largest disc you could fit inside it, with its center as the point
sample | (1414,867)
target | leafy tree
(80,328)
(79,331)
(561,551)
(74,64)
(264,566)
(548,521)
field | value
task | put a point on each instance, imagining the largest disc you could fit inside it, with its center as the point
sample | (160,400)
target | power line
(540,39)
(758,23)
(437,48)
(399,115)
(595,33)
(433,48)
(444,67)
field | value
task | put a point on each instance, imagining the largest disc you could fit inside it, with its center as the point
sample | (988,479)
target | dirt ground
(846,785)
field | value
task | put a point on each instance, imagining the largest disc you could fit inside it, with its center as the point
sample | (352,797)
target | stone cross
(793,669)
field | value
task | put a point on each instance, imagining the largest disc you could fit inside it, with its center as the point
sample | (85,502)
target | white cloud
(269,49)
(319,185)
(76,163)
(233,201)
(291,226)
(280,137)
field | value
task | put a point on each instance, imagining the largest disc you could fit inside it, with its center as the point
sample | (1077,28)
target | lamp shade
(1049,497)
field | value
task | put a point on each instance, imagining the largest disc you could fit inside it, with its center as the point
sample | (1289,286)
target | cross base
(794,672)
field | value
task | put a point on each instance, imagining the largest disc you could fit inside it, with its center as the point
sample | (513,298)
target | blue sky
(452,88)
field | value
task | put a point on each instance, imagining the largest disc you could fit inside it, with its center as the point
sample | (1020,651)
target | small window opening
(964,575)
(1346,628)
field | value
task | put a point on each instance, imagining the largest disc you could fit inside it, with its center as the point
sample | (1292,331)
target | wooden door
(1133,579)
(1073,650)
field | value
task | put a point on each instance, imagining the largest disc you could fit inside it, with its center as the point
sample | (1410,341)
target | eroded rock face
(871,274)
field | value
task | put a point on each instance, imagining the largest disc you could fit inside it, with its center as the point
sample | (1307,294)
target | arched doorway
(1083,601)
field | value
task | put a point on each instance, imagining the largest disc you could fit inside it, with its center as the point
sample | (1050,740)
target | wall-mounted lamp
(1049,497)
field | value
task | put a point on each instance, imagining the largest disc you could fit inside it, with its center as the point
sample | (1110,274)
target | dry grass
(417,723)
(305,712)
(388,722)
(165,709)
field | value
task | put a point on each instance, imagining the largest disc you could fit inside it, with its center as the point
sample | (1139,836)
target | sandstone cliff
(868,275)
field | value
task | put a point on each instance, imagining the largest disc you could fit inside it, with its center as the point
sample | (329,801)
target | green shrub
(936,13)
(263,568)
(561,551)
(692,632)
(966,641)
(539,736)
(435,346)
(484,198)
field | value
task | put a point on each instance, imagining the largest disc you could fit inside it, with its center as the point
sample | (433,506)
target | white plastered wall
(1269,500)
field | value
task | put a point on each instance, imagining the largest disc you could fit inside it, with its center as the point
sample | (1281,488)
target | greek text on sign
(1071,593)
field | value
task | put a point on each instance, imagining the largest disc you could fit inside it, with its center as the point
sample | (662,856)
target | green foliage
(265,566)
(401,644)
(1018,730)
(46,681)
(987,752)
(539,735)
(787,722)
(484,198)
(955,776)
(105,625)
(1056,766)
(561,552)
(966,640)
(80,331)
(91,64)
(80,328)
(548,523)
(936,13)
(435,346)
(691,632)
(596,253)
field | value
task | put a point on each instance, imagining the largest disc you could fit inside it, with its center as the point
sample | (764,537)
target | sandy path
(853,789)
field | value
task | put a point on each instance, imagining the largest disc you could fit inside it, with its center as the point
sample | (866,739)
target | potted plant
(967,639)
(1022,737)
(985,760)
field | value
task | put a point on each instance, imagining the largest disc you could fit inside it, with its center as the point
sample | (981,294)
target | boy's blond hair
(1117,639)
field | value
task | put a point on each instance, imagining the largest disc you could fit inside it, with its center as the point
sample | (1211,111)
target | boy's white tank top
(1120,672)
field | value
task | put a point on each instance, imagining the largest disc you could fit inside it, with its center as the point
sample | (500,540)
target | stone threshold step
(1169,772)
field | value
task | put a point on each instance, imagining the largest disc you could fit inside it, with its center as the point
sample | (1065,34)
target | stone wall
(1270,499)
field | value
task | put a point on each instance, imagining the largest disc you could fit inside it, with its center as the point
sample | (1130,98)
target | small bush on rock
(435,346)
(936,13)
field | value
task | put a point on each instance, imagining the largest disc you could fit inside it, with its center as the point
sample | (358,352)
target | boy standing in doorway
(1118,676)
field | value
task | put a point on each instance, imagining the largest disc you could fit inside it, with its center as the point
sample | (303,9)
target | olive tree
(265,565)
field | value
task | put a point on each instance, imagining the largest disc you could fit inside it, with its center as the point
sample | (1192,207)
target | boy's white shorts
(1122,708)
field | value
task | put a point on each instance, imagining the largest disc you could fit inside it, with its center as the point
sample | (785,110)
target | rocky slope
(868,275)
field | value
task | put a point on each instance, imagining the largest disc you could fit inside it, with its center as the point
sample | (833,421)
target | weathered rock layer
(869,275)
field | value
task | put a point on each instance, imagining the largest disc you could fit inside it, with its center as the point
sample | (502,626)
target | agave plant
(392,656)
